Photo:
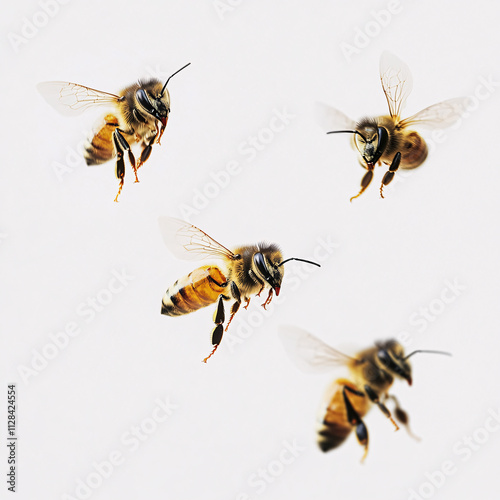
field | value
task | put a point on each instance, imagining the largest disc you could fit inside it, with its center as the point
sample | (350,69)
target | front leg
(389,175)
(402,417)
(372,395)
(269,298)
(365,181)
(147,148)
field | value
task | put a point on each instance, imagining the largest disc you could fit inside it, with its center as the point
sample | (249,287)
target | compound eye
(144,101)
(260,263)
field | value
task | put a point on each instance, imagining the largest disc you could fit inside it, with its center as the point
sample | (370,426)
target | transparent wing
(71,99)
(310,354)
(441,115)
(397,82)
(187,242)
(330,119)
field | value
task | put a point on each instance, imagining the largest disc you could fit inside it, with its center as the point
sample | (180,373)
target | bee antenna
(348,132)
(166,83)
(432,352)
(301,260)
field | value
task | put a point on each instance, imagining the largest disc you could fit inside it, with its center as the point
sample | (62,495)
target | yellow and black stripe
(198,289)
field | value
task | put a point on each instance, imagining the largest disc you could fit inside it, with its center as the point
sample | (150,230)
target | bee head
(371,141)
(266,264)
(158,105)
(391,356)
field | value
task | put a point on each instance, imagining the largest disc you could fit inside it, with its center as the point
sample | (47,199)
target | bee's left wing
(441,115)
(310,354)
(187,242)
(331,119)
(71,99)
(397,82)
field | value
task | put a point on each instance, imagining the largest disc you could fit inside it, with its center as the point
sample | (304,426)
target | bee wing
(310,354)
(187,242)
(441,115)
(397,82)
(331,119)
(71,99)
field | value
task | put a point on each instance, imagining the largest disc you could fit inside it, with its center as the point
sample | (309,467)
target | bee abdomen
(331,435)
(198,289)
(100,149)
(413,150)
(335,426)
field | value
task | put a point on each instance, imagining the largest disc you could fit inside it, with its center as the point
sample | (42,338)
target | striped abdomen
(335,427)
(198,289)
(100,149)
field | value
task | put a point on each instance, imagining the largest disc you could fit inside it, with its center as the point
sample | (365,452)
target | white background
(62,237)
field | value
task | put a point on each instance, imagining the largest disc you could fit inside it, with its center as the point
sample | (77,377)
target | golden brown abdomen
(198,289)
(413,150)
(100,149)
(335,427)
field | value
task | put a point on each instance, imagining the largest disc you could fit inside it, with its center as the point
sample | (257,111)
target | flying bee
(140,116)
(348,400)
(242,272)
(390,139)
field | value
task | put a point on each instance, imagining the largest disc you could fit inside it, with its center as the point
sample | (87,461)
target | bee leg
(389,175)
(247,304)
(269,298)
(355,419)
(372,395)
(235,292)
(402,417)
(161,130)
(260,291)
(125,146)
(217,332)
(146,153)
(365,181)
(120,166)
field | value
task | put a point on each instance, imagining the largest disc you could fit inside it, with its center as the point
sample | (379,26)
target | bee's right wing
(331,119)
(187,242)
(441,115)
(310,354)
(71,99)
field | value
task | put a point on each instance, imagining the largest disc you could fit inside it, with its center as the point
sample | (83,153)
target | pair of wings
(397,84)
(71,99)
(310,354)
(187,242)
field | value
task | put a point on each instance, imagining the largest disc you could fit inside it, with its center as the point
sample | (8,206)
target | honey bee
(348,400)
(242,273)
(139,111)
(390,139)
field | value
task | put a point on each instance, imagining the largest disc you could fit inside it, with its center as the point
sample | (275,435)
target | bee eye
(144,101)
(260,263)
